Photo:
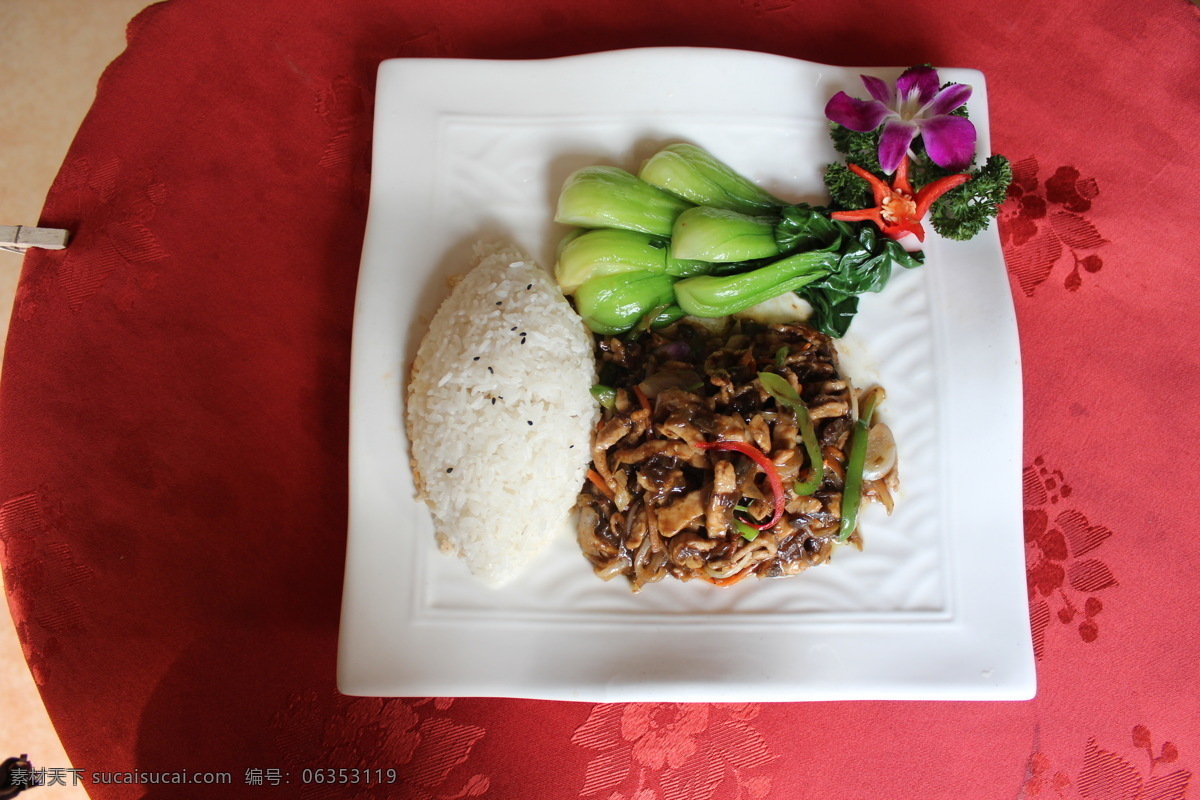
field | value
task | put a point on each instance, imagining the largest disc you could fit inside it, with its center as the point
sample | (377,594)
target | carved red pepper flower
(898,209)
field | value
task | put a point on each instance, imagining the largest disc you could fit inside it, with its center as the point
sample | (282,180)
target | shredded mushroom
(691,512)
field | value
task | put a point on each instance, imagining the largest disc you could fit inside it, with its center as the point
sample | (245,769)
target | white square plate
(935,605)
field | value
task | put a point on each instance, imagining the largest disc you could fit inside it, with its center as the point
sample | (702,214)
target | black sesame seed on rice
(492,550)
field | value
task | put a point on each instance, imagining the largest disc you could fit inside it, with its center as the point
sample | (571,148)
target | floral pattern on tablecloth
(416,739)
(113,207)
(673,751)
(1063,584)
(43,578)
(1153,774)
(1045,219)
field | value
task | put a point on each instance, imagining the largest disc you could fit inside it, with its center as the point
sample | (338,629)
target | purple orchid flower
(916,107)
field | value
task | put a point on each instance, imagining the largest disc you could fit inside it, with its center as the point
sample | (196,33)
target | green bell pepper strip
(787,397)
(852,494)
(748,533)
(606,396)
(722,295)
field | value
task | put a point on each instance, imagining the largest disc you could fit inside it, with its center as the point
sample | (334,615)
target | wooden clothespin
(18,238)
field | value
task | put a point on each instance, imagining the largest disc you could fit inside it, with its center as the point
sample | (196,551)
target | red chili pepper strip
(764,463)
(932,191)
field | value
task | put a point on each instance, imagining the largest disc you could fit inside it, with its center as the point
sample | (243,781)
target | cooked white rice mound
(500,414)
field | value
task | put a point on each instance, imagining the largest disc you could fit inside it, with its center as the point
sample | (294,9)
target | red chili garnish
(898,209)
(765,464)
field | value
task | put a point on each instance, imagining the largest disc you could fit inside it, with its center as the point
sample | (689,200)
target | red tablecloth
(173,415)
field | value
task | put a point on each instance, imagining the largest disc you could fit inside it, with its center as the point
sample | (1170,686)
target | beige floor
(51,53)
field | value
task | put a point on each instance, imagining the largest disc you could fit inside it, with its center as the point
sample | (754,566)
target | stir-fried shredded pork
(678,505)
